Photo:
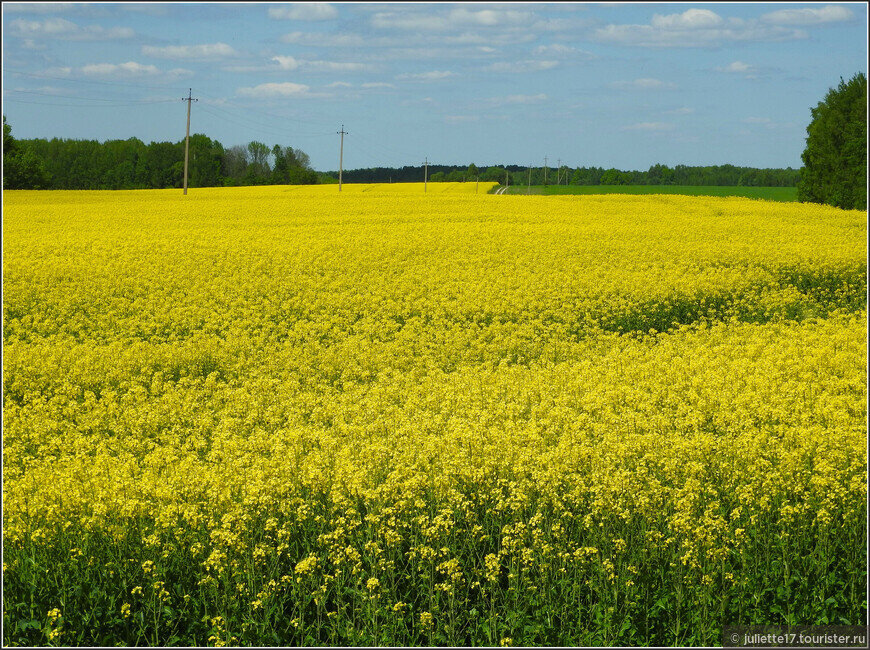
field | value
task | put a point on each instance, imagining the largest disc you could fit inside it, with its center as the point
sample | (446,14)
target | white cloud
(736,66)
(521,66)
(377,84)
(292,63)
(434,75)
(63,71)
(60,28)
(489,17)
(436,39)
(689,19)
(524,99)
(476,38)
(827,14)
(45,90)
(246,69)
(739,67)
(52,27)
(456,19)
(286,62)
(425,101)
(324,40)
(648,126)
(39,8)
(555,50)
(130,67)
(409,21)
(694,28)
(304,11)
(285,89)
(121,70)
(336,66)
(644,84)
(206,51)
(458,119)
(147,8)
(339,84)
(685,110)
(30,44)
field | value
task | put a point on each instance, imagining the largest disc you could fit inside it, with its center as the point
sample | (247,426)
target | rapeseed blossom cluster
(357,418)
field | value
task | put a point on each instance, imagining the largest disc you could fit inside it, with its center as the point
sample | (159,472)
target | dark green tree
(234,164)
(163,164)
(835,158)
(205,161)
(291,166)
(258,170)
(22,170)
(496,174)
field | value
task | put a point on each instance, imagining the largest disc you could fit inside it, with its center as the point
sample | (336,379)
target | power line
(79,80)
(89,99)
(283,118)
(386,150)
(119,104)
(257,126)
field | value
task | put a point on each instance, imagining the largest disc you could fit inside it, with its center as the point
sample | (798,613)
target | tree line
(658,174)
(62,164)
(834,171)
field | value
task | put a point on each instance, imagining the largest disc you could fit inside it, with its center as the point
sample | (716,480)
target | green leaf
(27,625)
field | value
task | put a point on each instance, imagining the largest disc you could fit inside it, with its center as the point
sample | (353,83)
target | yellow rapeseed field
(292,416)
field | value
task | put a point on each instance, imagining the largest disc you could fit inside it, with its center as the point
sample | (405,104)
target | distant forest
(517,175)
(131,164)
(64,164)
(61,164)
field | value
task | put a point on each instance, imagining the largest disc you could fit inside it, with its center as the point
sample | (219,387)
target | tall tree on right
(835,158)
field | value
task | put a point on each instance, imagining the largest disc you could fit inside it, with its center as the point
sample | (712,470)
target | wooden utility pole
(559,175)
(187,99)
(545,170)
(341,155)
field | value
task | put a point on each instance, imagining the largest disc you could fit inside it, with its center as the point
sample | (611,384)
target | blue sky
(605,84)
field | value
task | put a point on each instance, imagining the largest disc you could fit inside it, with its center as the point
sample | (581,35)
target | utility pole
(545,170)
(425,172)
(187,99)
(341,155)
(559,175)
